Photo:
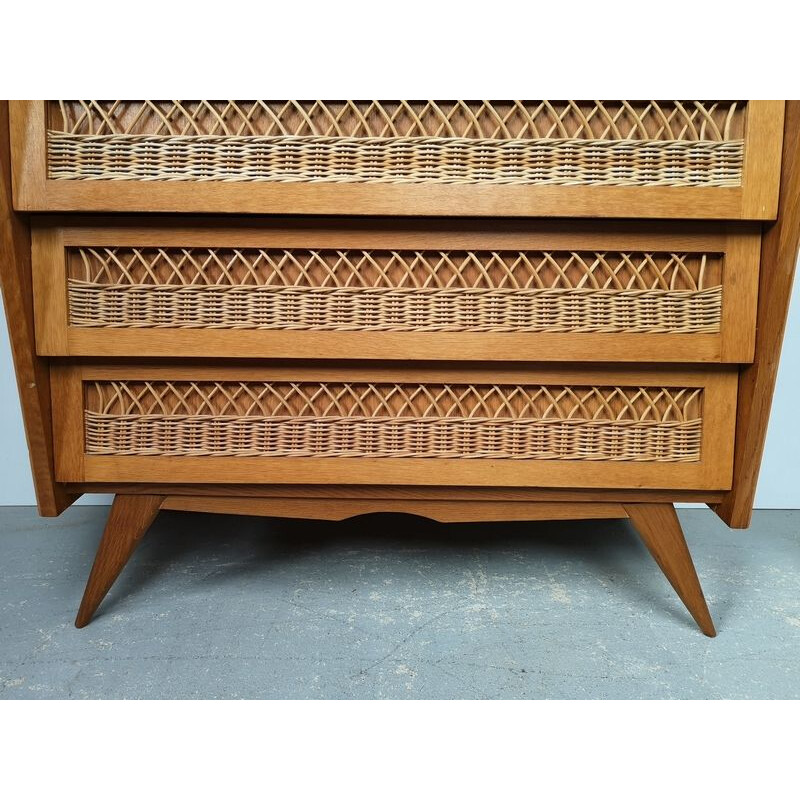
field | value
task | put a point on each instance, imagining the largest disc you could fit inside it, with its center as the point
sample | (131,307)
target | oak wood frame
(755,199)
(711,472)
(739,244)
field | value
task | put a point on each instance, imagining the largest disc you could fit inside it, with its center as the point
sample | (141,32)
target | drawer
(611,158)
(387,289)
(377,424)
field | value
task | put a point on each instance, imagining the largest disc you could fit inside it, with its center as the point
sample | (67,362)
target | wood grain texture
(713,473)
(128,521)
(762,159)
(754,200)
(738,244)
(440,510)
(50,301)
(779,252)
(740,294)
(400,371)
(68,428)
(33,380)
(660,530)
(538,347)
(371,492)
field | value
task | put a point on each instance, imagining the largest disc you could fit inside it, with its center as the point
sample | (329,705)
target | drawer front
(708,159)
(551,428)
(526,291)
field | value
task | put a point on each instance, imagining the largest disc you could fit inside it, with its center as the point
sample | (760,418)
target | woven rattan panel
(626,143)
(352,420)
(388,290)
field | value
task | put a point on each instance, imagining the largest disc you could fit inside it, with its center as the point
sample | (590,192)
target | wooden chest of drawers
(471,310)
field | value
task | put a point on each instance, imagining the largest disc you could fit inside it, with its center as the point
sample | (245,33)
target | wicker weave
(394,291)
(349,420)
(615,143)
(553,162)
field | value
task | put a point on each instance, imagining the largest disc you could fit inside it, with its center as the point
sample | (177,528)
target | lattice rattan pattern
(673,120)
(394,269)
(351,290)
(351,420)
(243,398)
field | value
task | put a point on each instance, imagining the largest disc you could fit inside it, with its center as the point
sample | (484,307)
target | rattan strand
(394,160)
(380,309)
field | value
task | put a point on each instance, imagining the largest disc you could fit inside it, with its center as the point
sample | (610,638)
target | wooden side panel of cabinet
(779,254)
(33,378)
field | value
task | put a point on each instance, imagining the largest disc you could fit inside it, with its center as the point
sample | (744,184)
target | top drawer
(616,158)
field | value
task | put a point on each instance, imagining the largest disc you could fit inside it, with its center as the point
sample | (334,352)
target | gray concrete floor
(396,607)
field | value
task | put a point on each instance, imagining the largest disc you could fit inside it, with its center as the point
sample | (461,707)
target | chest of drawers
(468,310)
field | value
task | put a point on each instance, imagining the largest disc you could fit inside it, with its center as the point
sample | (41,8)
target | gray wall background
(779,485)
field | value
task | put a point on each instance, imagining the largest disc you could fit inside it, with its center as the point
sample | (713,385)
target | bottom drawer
(600,428)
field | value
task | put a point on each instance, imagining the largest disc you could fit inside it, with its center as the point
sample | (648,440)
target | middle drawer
(389,289)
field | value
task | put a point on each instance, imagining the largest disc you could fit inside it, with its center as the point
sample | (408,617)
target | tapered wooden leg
(660,529)
(130,517)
